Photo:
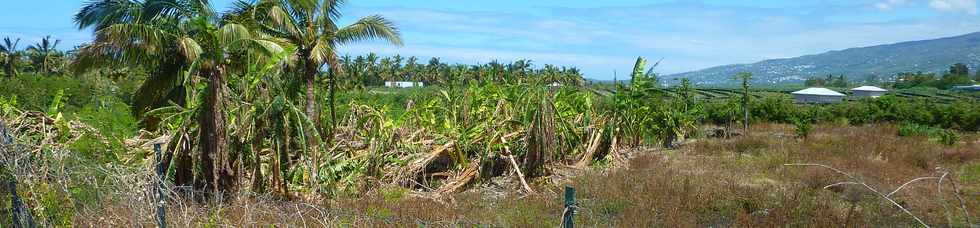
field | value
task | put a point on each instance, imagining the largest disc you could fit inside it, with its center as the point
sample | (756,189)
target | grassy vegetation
(707,182)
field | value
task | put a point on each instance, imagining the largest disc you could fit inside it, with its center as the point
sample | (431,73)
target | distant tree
(745,77)
(910,79)
(959,74)
(950,80)
(815,82)
(959,69)
(873,79)
(842,81)
(686,91)
(44,54)
(9,56)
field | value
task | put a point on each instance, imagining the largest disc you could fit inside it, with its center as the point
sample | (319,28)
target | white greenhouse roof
(869,88)
(818,91)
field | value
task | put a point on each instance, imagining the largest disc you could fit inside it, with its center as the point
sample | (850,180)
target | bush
(948,137)
(943,136)
(911,129)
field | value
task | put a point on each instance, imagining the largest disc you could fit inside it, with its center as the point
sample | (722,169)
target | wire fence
(20,215)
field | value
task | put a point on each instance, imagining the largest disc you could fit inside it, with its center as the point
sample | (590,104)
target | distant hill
(884,61)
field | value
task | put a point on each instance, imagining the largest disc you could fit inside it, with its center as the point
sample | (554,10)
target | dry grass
(715,182)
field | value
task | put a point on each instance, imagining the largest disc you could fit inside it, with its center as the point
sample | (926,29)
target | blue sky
(600,37)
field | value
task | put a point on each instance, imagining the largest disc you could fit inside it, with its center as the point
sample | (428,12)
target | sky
(599,37)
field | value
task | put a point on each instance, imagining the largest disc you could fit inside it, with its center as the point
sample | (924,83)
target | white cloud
(965,6)
(960,6)
(687,36)
(889,4)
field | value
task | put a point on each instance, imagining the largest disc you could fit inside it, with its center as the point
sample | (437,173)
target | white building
(868,91)
(973,88)
(817,96)
(394,84)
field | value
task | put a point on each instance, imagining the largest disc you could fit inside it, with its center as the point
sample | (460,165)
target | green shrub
(948,137)
(802,127)
(911,129)
(943,136)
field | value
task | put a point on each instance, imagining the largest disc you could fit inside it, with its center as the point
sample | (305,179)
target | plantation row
(936,95)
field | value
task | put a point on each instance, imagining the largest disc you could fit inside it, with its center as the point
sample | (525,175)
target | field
(706,182)
(183,113)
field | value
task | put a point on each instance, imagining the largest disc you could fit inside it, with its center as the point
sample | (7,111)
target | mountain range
(883,61)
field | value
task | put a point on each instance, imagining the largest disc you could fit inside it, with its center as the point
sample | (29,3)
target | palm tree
(9,56)
(387,70)
(44,54)
(311,26)
(163,65)
(371,69)
(203,44)
(432,70)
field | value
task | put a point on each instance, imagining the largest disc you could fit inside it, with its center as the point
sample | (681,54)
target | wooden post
(568,216)
(161,203)
(19,216)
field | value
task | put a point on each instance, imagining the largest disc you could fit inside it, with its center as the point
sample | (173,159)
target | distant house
(555,84)
(395,84)
(974,88)
(868,91)
(817,96)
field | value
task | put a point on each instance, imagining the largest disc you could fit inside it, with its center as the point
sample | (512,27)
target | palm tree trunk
(312,113)
(745,111)
(258,181)
(180,149)
(283,161)
(10,69)
(216,161)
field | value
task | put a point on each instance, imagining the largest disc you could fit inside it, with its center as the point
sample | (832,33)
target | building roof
(869,88)
(970,88)
(818,91)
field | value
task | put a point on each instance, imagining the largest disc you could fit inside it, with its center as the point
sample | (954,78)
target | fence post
(568,216)
(20,216)
(161,204)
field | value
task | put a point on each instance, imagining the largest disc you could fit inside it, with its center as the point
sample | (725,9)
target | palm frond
(147,37)
(282,21)
(371,27)
(233,33)
(332,8)
(189,48)
(321,51)
(103,13)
